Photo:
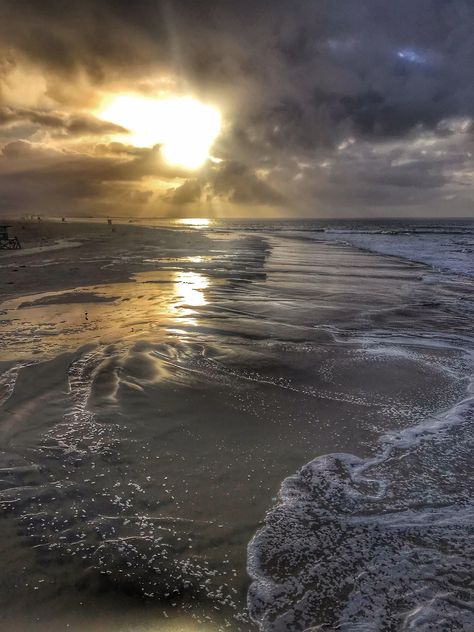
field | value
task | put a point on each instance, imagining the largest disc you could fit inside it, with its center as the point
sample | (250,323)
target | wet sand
(158,385)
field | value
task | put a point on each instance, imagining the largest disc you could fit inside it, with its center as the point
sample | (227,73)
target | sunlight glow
(183,126)
(189,288)
(194,222)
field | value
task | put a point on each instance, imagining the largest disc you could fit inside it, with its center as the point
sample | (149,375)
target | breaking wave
(377,544)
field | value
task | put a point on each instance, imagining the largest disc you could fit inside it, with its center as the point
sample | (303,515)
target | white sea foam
(445,246)
(449,250)
(384,543)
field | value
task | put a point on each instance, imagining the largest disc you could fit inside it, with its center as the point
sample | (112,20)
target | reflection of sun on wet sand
(190,286)
(100,255)
(150,301)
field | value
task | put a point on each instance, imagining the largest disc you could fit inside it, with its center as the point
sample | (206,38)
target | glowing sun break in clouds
(183,126)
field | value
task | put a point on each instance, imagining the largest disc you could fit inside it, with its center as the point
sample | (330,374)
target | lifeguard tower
(7,242)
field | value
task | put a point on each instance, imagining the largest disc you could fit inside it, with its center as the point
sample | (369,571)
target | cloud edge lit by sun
(185,128)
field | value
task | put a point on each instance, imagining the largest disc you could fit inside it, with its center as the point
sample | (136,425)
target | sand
(159,384)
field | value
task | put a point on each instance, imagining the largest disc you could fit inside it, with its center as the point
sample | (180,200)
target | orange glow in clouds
(183,126)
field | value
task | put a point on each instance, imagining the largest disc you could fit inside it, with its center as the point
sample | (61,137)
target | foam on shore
(374,544)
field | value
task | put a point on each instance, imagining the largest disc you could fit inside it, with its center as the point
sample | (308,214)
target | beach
(159,383)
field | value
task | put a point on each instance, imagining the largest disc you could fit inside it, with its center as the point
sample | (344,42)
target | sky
(322,108)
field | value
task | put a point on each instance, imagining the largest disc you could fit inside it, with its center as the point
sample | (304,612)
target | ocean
(260,425)
(446,245)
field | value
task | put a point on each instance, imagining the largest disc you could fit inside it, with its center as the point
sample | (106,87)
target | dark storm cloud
(22,158)
(296,80)
(37,177)
(187,193)
(229,181)
(239,185)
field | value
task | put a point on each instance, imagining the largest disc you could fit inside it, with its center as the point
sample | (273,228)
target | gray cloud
(187,193)
(59,122)
(231,182)
(239,185)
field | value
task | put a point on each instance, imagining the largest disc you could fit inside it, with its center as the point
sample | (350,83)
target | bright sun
(184,127)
